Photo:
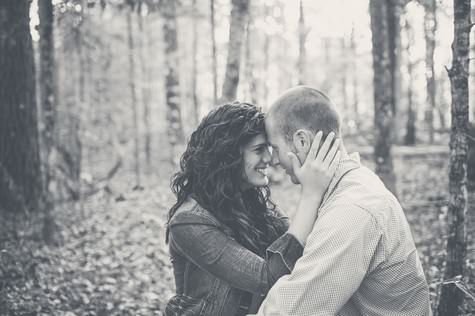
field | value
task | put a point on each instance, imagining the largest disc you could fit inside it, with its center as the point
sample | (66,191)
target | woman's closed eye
(260,149)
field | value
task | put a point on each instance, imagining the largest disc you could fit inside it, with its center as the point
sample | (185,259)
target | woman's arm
(314,175)
(201,241)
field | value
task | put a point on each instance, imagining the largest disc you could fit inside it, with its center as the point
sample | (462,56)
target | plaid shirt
(360,258)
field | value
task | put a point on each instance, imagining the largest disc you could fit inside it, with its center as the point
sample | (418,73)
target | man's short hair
(307,108)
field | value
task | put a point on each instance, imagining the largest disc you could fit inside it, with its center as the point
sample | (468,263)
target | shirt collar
(350,162)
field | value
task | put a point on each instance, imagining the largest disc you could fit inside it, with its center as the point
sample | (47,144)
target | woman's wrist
(314,195)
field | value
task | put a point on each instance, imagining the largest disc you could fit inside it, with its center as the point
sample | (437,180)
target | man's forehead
(269,122)
(272,138)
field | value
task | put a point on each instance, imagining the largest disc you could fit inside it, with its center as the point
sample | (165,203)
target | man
(360,258)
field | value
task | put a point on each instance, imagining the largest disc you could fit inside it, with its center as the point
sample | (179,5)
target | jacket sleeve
(200,240)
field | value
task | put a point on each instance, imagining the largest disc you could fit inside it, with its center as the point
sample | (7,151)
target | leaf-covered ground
(111,258)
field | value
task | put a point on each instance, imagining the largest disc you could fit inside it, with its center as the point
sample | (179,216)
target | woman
(228,243)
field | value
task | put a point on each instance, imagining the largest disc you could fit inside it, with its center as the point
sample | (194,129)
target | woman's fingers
(322,153)
(334,163)
(331,153)
(312,153)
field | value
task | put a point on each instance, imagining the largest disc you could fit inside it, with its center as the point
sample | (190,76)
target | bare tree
(213,53)
(172,85)
(194,61)
(68,123)
(410,136)
(451,298)
(430,28)
(133,95)
(383,91)
(354,68)
(343,78)
(145,84)
(239,14)
(303,32)
(395,8)
(266,61)
(249,66)
(47,86)
(20,171)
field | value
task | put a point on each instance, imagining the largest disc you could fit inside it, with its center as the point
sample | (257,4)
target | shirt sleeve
(335,261)
(202,242)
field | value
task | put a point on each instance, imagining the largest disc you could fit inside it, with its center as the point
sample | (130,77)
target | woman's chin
(262,182)
(258,182)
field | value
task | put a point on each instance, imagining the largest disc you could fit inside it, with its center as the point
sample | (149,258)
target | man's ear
(302,141)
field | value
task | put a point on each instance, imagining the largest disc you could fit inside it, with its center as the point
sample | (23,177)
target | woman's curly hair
(211,170)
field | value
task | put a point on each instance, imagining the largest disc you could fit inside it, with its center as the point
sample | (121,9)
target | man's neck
(343,151)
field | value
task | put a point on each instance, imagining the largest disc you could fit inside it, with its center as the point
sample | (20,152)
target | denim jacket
(214,274)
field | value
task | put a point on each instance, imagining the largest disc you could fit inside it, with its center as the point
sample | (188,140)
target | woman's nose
(275,159)
(267,156)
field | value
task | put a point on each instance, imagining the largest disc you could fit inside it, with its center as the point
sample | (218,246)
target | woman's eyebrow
(260,145)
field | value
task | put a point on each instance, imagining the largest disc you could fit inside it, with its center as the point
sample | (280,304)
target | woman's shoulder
(191,212)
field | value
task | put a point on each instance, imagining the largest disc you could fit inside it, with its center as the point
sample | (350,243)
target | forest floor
(111,258)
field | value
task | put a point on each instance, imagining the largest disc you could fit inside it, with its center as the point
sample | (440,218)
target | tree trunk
(145,84)
(327,56)
(20,170)
(194,70)
(383,92)
(239,13)
(172,86)
(301,64)
(471,115)
(355,78)
(443,104)
(410,137)
(213,54)
(68,123)
(47,75)
(451,297)
(79,32)
(48,100)
(344,82)
(394,8)
(133,96)
(89,114)
(430,27)
(249,67)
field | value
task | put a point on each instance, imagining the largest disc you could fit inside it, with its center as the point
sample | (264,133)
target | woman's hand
(319,167)
(315,175)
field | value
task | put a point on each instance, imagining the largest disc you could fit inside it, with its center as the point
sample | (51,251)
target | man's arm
(335,261)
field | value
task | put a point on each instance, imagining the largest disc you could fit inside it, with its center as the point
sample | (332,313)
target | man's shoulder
(361,190)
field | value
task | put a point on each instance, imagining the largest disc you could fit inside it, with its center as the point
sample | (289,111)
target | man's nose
(275,158)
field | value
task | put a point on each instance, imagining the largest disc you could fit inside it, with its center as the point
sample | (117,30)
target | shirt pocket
(184,305)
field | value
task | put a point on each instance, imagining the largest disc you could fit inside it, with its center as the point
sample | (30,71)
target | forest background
(98,98)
